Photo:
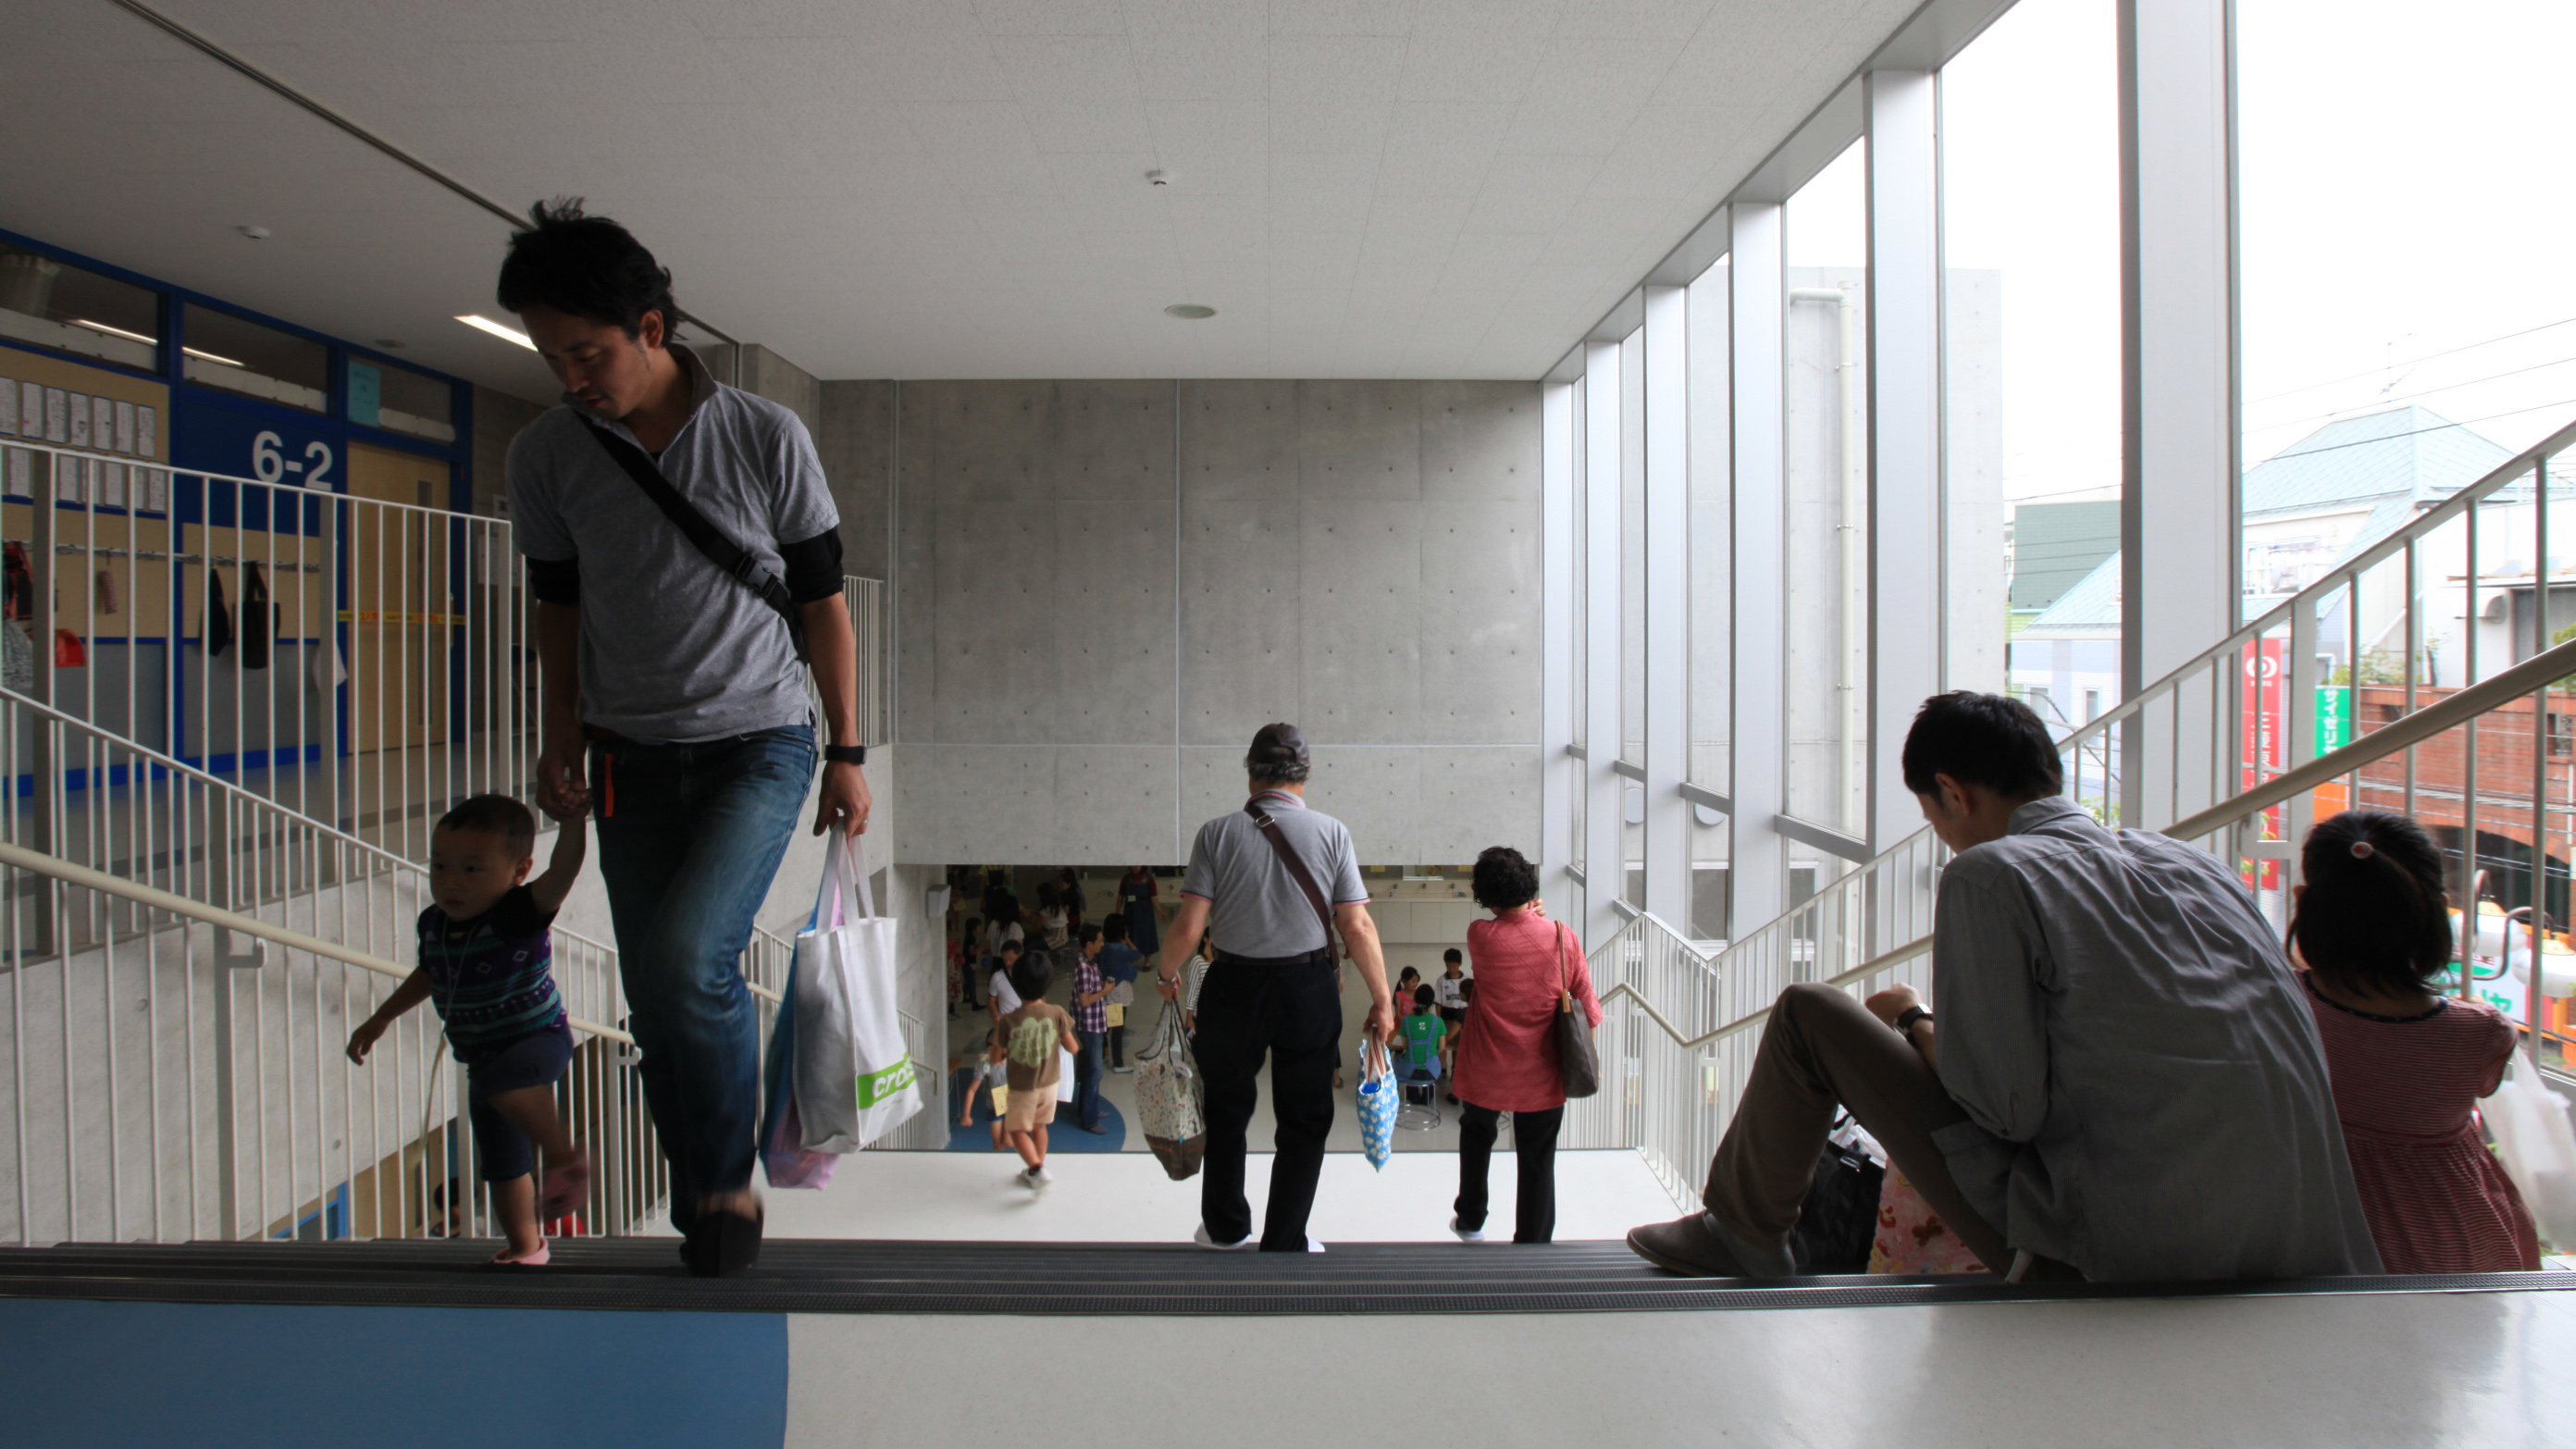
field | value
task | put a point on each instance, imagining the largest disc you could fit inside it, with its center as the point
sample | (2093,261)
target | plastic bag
(1377,1096)
(1171,1098)
(2537,1147)
(783,1155)
(854,1076)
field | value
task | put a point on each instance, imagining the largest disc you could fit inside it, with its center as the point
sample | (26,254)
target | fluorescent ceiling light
(1190,311)
(211,357)
(114,331)
(506,334)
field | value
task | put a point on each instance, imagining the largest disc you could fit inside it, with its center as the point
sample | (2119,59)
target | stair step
(1095,1279)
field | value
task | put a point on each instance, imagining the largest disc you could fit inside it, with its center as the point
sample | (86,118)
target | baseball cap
(1278,744)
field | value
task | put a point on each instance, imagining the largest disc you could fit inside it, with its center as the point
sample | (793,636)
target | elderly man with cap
(1277,878)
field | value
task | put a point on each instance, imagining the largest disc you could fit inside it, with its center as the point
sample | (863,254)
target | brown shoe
(1696,1247)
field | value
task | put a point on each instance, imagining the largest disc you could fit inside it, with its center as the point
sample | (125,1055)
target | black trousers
(1291,1011)
(1534,1143)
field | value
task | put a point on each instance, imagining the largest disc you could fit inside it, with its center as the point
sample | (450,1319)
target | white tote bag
(854,1077)
(2536,1145)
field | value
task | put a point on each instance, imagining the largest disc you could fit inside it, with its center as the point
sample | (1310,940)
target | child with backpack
(2372,925)
(1033,1037)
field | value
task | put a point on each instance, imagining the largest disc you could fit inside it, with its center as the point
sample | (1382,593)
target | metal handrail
(1864,970)
(22,858)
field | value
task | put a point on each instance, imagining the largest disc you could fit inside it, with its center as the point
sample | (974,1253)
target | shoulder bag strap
(1564,974)
(735,560)
(1305,879)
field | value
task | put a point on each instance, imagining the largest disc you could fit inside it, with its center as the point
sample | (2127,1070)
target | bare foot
(533,1256)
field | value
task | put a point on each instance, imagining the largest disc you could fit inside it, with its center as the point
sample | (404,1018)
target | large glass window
(1827,250)
(1632,606)
(2030,168)
(239,355)
(1712,657)
(72,309)
(2411,336)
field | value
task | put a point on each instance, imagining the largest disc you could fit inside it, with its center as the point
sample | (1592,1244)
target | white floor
(2347,1371)
(1124,1197)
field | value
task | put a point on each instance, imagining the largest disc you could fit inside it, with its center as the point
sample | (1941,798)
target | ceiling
(932,188)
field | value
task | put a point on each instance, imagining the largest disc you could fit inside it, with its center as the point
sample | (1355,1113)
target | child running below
(1033,1036)
(2372,925)
(485,955)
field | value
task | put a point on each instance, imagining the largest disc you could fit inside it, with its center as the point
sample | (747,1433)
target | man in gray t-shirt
(674,707)
(1273,989)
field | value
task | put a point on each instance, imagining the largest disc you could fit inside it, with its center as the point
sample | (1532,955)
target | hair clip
(2361,850)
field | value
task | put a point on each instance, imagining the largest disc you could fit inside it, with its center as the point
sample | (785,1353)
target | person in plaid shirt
(1090,1027)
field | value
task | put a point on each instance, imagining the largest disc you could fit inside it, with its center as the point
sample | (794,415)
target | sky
(2404,231)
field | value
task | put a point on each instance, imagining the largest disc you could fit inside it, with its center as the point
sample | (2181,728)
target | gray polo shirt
(1256,908)
(2145,1091)
(671,648)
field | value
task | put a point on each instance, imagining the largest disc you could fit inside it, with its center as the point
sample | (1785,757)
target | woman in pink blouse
(1507,1055)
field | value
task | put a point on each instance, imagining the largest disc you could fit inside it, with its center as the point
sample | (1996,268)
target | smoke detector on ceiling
(255,233)
(1159,177)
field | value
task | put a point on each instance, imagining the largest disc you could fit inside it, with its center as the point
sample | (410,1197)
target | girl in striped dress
(2372,926)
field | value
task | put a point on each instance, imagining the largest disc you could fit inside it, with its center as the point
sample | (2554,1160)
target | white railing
(1676,1032)
(183,963)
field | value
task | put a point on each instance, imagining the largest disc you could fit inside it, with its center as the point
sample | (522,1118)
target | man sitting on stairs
(2126,1083)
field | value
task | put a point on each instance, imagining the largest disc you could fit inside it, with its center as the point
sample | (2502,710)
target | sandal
(567,1187)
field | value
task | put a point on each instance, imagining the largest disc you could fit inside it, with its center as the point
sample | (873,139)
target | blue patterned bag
(1378,1104)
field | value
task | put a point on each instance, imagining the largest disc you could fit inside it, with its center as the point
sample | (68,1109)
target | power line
(2412,361)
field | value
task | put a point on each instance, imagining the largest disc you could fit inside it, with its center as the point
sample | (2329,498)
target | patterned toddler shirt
(491,977)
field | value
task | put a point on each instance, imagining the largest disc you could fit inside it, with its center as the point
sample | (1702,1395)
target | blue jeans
(1086,1080)
(690,836)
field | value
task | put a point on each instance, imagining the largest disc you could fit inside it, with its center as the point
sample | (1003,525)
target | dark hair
(1033,976)
(494,815)
(2376,912)
(1504,879)
(1090,933)
(1008,946)
(585,266)
(1422,997)
(1115,926)
(1983,739)
(1467,988)
(1047,897)
(1454,954)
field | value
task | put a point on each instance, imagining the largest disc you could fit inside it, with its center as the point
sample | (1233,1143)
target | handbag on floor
(1838,1224)
(854,1076)
(1378,1104)
(1170,1098)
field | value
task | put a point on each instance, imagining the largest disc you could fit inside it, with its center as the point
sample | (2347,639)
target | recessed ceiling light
(1189,311)
(255,233)
(506,334)
(390,344)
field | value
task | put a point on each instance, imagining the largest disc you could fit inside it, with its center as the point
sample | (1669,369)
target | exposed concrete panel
(1480,441)
(979,803)
(1113,440)
(1117,804)
(498,417)
(1114,626)
(1238,440)
(856,442)
(1360,606)
(985,440)
(916,607)
(1479,616)
(766,374)
(1359,440)
(1242,661)
(1378,794)
(1212,784)
(994,625)
(1473,798)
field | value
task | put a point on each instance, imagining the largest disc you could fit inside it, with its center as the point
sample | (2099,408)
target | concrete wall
(498,417)
(1104,587)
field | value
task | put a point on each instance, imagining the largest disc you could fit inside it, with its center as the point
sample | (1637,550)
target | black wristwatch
(1905,1019)
(845,754)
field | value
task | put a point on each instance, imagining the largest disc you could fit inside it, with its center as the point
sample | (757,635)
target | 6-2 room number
(269,465)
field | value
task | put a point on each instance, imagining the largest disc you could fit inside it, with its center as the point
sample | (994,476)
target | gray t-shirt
(1256,908)
(671,648)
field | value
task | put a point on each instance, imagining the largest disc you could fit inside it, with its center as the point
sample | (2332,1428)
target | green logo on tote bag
(875,1087)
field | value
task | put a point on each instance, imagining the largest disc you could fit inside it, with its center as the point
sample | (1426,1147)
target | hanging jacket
(255,622)
(216,631)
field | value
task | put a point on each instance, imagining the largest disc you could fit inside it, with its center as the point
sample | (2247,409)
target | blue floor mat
(1063,1136)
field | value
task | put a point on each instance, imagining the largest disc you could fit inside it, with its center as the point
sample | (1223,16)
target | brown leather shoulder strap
(1287,854)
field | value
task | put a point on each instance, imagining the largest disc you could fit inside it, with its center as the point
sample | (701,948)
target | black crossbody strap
(722,551)
(1305,878)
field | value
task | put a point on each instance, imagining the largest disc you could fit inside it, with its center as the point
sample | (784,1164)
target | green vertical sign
(2334,718)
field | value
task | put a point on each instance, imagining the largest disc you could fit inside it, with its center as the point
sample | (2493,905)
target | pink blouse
(1507,1056)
